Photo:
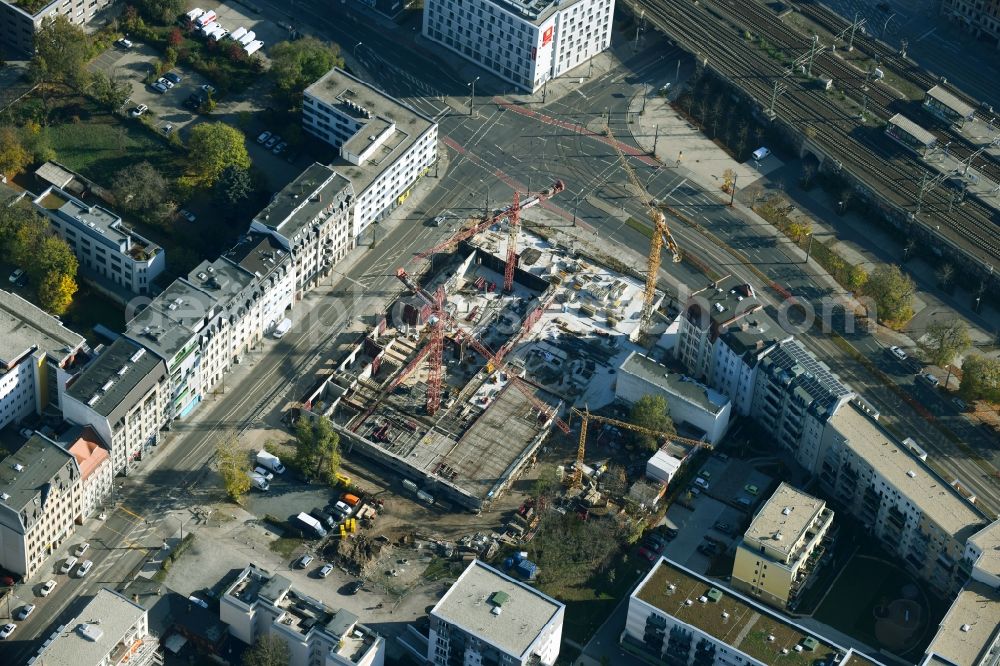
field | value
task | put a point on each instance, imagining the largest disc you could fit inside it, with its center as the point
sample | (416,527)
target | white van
(760,154)
(283,327)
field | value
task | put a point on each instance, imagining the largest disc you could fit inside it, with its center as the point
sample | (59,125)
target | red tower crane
(513,226)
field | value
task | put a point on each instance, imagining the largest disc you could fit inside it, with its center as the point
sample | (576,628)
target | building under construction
(462,379)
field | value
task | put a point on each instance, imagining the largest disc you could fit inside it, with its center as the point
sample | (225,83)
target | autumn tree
(317,448)
(269,650)
(14,157)
(212,147)
(980,378)
(160,11)
(892,290)
(139,187)
(55,293)
(857,278)
(945,339)
(62,50)
(652,413)
(234,467)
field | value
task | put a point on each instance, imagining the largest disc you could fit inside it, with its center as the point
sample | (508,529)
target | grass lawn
(285,546)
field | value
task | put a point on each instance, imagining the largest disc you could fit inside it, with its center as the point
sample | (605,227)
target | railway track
(868,154)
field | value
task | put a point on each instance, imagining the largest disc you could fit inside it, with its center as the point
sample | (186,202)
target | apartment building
(111,630)
(38,355)
(677,616)
(691,403)
(20,20)
(263,604)
(123,396)
(94,462)
(979,17)
(707,314)
(914,513)
(311,219)
(780,548)
(108,251)
(487,617)
(735,355)
(385,145)
(794,397)
(39,500)
(271,265)
(524,42)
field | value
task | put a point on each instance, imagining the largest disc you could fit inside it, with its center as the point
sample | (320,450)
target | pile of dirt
(359,554)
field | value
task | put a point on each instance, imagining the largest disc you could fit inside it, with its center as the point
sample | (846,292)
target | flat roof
(678,592)
(24,327)
(221,278)
(524,613)
(99,223)
(727,301)
(302,200)
(121,375)
(988,541)
(107,619)
(534,11)
(969,630)
(784,518)
(674,383)
(916,131)
(806,375)
(754,334)
(951,101)
(936,498)
(258,253)
(27,473)
(173,318)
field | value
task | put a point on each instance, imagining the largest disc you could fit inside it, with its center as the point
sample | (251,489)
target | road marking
(671,192)
(122,508)
(926,34)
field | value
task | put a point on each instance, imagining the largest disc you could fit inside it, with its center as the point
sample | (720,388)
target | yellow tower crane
(661,236)
(576,480)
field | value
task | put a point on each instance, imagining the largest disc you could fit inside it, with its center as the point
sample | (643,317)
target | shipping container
(425,497)
(409,485)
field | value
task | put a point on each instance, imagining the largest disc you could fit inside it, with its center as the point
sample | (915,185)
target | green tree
(267,651)
(317,448)
(139,188)
(160,11)
(214,146)
(295,65)
(14,157)
(980,378)
(62,50)
(945,339)
(234,467)
(111,92)
(857,278)
(892,290)
(653,413)
(235,185)
(55,293)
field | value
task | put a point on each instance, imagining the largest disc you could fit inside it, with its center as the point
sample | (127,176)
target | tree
(55,293)
(214,146)
(946,339)
(175,38)
(234,468)
(111,92)
(945,273)
(13,155)
(62,50)
(857,278)
(317,448)
(160,11)
(139,188)
(295,65)
(980,378)
(269,650)
(807,175)
(799,230)
(728,180)
(651,412)
(234,185)
(892,290)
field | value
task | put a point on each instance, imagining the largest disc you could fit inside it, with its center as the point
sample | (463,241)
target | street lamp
(809,248)
(472,94)
(356,49)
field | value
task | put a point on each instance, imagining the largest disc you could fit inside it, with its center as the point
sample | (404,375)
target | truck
(270,461)
(283,327)
(311,525)
(259,482)
(253,47)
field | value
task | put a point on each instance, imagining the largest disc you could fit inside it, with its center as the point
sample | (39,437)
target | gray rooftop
(534,11)
(801,373)
(970,631)
(299,203)
(173,318)
(99,223)
(753,334)
(109,617)
(916,131)
(28,477)
(784,519)
(674,383)
(221,278)
(121,375)
(24,327)
(951,101)
(723,304)
(258,253)
(524,614)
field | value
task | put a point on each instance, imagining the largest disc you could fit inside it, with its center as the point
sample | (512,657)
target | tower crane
(585,416)
(661,235)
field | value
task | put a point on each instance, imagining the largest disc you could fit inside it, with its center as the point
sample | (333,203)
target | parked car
(84,568)
(160,87)
(343,507)
(323,517)
(16,276)
(81,549)
(7,630)
(929,379)
(25,611)
(124,43)
(898,353)
(68,564)
(263,472)
(354,588)
(304,561)
(173,77)
(167,129)
(208,89)
(670,532)
(27,433)
(702,483)
(269,143)
(139,110)
(648,553)
(47,587)
(280,148)
(165,82)
(187,215)
(264,136)
(722,527)
(960,404)
(325,570)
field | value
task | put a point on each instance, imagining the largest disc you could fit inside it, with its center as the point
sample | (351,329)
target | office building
(692,403)
(19,24)
(487,617)
(525,42)
(781,547)
(109,631)
(38,355)
(385,145)
(676,616)
(123,396)
(108,251)
(979,17)
(794,396)
(915,514)
(311,219)
(263,604)
(39,500)
(94,463)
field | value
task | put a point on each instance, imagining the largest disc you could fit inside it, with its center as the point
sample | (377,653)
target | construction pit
(511,362)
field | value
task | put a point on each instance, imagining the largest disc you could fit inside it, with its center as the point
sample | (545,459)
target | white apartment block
(109,631)
(735,355)
(385,145)
(487,617)
(263,604)
(123,396)
(524,42)
(914,513)
(94,462)
(707,314)
(271,265)
(106,249)
(311,219)
(39,502)
(18,26)
(38,355)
